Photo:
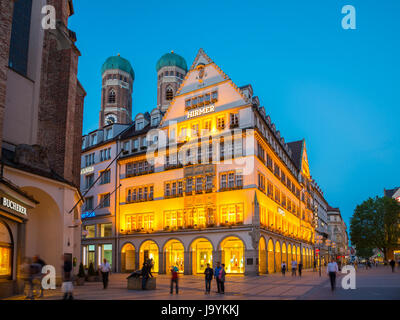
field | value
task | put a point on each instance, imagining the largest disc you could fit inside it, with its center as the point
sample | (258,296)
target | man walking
(294,267)
(283,268)
(208,277)
(67,286)
(174,279)
(221,276)
(216,275)
(105,269)
(331,271)
(392,264)
(300,268)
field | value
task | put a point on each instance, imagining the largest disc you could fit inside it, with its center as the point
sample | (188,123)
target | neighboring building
(98,186)
(188,204)
(41,110)
(321,226)
(338,234)
(395,194)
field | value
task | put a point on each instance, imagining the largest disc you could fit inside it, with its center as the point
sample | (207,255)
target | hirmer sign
(200,111)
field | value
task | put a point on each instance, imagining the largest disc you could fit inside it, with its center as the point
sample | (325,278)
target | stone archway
(44,229)
(232,254)
(128,258)
(271,258)
(262,256)
(201,253)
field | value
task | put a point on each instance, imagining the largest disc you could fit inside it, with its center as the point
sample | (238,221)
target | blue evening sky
(338,89)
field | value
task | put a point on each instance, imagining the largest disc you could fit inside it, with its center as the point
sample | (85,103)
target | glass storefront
(278,257)
(174,255)
(201,254)
(5,252)
(88,255)
(105,252)
(271,260)
(233,255)
(128,258)
(262,256)
(149,250)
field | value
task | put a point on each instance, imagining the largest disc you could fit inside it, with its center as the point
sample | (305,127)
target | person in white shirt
(294,267)
(331,271)
(105,269)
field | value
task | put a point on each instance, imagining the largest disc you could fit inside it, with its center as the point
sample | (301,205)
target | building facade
(209,178)
(41,110)
(321,224)
(339,248)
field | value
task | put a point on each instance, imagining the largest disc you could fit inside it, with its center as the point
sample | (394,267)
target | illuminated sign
(87,170)
(281,211)
(200,111)
(88,215)
(13,206)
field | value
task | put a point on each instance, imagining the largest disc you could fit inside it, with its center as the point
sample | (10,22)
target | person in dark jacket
(146,273)
(221,277)
(209,273)
(67,268)
(392,264)
(300,268)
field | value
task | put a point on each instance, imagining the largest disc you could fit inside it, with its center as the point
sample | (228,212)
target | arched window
(169,95)
(6,249)
(111,96)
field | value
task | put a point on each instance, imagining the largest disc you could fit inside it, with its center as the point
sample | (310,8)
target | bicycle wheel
(37,289)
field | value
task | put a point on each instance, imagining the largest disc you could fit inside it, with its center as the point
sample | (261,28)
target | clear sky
(339,89)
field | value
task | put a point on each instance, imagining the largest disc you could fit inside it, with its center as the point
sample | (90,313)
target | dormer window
(111,96)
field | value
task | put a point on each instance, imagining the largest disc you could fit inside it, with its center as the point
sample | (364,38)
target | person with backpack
(174,279)
(221,276)
(209,273)
(216,276)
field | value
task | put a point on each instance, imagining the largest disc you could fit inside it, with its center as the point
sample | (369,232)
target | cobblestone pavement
(371,284)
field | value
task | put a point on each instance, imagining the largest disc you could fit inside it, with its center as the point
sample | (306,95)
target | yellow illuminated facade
(218,184)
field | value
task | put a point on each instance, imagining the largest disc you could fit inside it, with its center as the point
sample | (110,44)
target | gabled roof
(297,152)
(132,132)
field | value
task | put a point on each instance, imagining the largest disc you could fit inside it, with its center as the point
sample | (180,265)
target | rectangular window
(20,31)
(239,179)
(180,188)
(223,181)
(105,176)
(89,179)
(90,231)
(89,204)
(104,200)
(151,193)
(231,180)
(209,183)
(221,123)
(105,230)
(189,185)
(199,184)
(167,189)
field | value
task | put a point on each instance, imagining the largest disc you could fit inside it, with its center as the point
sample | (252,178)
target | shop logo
(88,215)
(200,111)
(13,206)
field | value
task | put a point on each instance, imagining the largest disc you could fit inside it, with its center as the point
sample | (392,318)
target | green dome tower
(171,69)
(116,97)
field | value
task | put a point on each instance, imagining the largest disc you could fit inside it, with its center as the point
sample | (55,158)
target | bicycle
(33,290)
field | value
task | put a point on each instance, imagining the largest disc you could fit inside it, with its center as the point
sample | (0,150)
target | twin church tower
(118,77)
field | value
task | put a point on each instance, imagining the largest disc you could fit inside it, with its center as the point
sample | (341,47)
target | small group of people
(295,268)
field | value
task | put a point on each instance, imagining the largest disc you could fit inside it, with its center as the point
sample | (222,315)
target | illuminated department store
(217,182)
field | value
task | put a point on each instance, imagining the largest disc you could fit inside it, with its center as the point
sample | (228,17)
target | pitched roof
(390,192)
(297,148)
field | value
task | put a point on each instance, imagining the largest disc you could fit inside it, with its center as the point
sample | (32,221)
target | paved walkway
(371,284)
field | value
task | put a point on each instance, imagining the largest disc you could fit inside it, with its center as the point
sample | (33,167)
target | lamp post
(319,242)
(328,243)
